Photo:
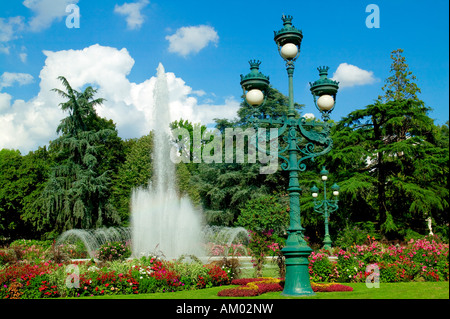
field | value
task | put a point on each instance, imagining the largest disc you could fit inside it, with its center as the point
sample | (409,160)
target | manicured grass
(404,290)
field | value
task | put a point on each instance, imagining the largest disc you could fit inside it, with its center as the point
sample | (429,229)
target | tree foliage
(22,179)
(265,213)
(76,194)
(389,157)
(135,171)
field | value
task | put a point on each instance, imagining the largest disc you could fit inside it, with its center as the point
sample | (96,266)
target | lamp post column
(326,206)
(296,250)
(301,141)
(327,238)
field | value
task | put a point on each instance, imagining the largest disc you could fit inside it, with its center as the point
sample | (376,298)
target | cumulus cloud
(132,12)
(46,12)
(350,75)
(192,39)
(25,125)
(9,79)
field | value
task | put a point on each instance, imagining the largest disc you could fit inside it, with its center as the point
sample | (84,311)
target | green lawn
(406,290)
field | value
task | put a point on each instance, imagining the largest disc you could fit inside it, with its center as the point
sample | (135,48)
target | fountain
(94,238)
(160,220)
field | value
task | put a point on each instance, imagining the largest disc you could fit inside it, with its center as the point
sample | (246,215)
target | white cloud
(25,125)
(23,57)
(132,11)
(188,40)
(5,101)
(46,12)
(349,75)
(8,79)
(309,116)
(9,30)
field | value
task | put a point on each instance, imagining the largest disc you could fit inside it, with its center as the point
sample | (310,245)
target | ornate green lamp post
(325,206)
(301,137)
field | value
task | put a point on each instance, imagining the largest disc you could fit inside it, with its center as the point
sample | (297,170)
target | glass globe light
(289,51)
(314,191)
(254,97)
(325,102)
(335,189)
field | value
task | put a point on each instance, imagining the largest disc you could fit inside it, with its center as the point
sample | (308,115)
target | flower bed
(24,273)
(44,280)
(250,287)
(419,260)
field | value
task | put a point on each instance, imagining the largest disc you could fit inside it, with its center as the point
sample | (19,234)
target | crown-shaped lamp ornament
(254,84)
(288,39)
(324,91)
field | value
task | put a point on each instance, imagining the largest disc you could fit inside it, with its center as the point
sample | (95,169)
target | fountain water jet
(94,238)
(160,220)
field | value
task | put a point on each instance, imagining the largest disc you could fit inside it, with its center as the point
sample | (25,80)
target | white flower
(92,268)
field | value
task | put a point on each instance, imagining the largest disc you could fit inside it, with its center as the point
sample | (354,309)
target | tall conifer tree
(390,155)
(76,195)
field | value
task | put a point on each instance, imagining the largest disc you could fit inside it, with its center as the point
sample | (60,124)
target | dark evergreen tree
(225,188)
(389,160)
(76,195)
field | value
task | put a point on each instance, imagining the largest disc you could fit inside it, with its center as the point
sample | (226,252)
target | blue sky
(204,46)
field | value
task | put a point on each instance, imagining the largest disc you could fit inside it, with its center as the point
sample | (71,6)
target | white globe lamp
(254,97)
(325,102)
(289,51)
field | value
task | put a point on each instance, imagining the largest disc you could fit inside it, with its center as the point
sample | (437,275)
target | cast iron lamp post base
(297,273)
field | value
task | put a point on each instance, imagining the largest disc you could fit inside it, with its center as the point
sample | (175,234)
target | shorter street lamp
(325,206)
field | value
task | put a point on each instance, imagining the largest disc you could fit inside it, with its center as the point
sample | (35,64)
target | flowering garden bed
(49,279)
(34,276)
(256,286)
(419,260)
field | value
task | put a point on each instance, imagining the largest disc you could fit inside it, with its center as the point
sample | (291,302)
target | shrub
(57,254)
(347,266)
(351,235)
(320,267)
(113,251)
(231,266)
(3,257)
(23,279)
(424,260)
(217,275)
(265,212)
(261,244)
(99,282)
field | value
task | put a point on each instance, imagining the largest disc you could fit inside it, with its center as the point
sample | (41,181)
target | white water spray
(160,220)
